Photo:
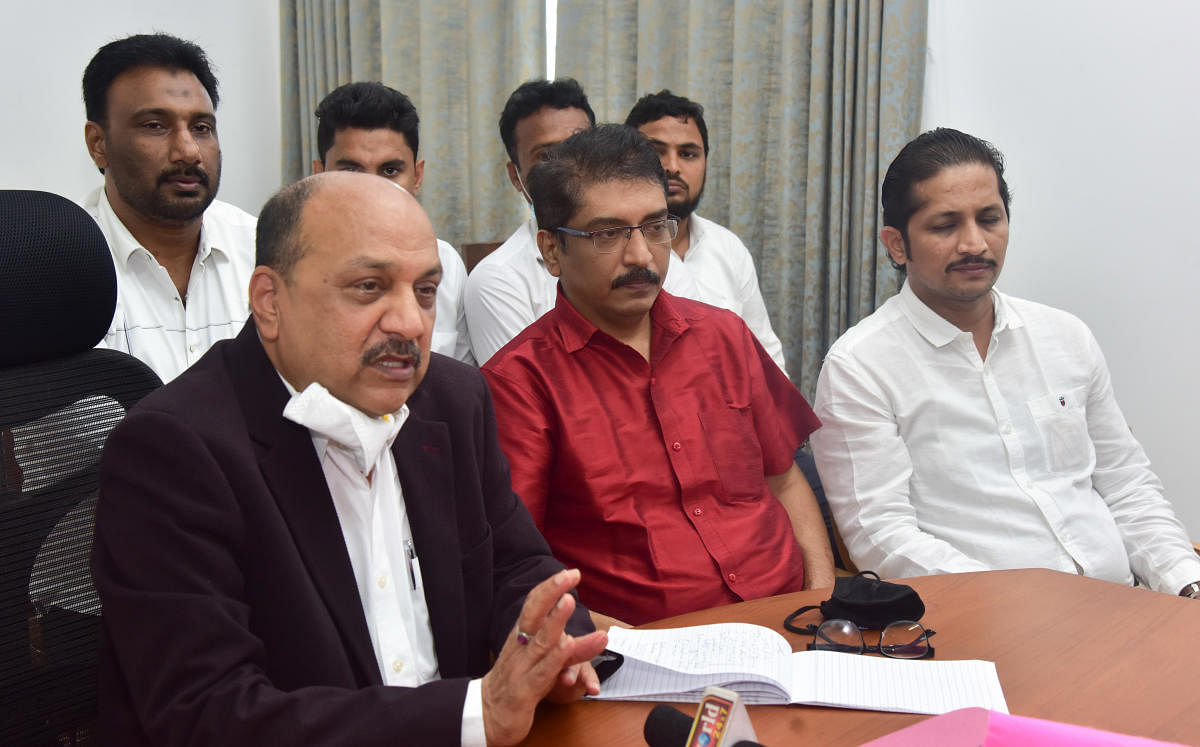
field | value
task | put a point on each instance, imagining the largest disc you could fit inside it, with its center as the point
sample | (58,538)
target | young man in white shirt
(967,430)
(718,262)
(183,259)
(372,128)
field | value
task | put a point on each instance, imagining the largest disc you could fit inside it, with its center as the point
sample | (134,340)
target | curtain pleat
(806,104)
(458,60)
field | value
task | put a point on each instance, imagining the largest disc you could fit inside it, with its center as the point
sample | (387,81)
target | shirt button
(397,665)
(1007,428)
(698,511)
(382,581)
(676,446)
(732,578)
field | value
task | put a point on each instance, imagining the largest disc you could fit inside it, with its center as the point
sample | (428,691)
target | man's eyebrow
(686,144)
(367,263)
(347,162)
(607,221)
(157,111)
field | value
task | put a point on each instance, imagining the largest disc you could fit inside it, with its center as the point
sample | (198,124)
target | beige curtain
(806,102)
(457,59)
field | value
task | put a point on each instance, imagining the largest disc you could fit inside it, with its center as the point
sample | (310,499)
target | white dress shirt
(937,461)
(355,454)
(723,271)
(152,323)
(511,288)
(450,328)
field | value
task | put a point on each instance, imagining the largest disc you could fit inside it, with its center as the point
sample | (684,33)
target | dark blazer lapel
(292,472)
(424,462)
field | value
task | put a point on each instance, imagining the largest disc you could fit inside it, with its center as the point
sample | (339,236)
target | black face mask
(865,601)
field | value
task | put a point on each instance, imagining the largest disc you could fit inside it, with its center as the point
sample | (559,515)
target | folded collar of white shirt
(939,332)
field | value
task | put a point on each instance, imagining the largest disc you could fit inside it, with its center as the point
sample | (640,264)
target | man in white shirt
(310,536)
(510,288)
(372,128)
(183,258)
(718,262)
(967,430)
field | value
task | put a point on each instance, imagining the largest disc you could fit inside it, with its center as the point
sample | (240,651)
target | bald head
(346,288)
(280,235)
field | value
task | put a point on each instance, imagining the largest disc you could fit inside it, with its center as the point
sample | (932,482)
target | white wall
(48,44)
(1094,106)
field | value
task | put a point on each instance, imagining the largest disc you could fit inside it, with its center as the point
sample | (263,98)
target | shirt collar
(937,331)
(576,331)
(530,227)
(123,244)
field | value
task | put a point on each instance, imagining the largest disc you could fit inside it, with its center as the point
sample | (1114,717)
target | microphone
(721,721)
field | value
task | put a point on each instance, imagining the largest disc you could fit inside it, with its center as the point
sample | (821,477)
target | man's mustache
(971,261)
(194,172)
(637,275)
(393,346)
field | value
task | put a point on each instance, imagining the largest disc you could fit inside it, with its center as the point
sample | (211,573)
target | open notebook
(675,665)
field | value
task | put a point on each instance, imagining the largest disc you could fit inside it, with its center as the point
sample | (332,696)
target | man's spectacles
(903,639)
(609,240)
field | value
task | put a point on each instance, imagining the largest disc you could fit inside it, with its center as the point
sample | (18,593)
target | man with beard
(968,430)
(651,436)
(183,259)
(717,260)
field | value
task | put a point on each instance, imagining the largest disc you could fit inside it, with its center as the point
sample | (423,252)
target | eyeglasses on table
(903,639)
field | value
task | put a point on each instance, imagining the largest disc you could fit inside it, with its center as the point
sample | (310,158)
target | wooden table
(1066,648)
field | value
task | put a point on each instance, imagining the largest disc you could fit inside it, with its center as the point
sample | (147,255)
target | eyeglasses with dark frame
(903,639)
(609,240)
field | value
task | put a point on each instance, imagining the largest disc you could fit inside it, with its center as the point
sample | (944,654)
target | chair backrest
(59,398)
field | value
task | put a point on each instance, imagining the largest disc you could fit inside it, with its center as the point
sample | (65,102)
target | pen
(411,554)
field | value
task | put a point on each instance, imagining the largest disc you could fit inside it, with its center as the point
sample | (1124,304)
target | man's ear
(896,247)
(318,166)
(548,245)
(93,137)
(265,287)
(514,178)
(419,173)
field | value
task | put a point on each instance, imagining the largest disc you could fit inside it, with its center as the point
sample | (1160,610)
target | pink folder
(979,727)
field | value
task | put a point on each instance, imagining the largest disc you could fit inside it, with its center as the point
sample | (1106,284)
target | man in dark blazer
(232,612)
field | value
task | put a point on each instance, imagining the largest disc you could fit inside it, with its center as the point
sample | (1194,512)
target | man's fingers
(589,679)
(585,648)
(542,599)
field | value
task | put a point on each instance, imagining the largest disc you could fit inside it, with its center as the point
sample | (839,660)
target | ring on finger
(523,638)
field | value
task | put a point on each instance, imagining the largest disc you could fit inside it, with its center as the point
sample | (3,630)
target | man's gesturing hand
(549,659)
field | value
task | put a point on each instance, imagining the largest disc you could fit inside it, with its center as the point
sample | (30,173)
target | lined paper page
(687,659)
(880,684)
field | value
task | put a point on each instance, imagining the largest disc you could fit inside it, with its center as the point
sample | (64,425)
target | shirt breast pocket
(1061,422)
(733,445)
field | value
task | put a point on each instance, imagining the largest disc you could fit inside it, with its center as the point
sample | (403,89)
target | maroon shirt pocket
(735,451)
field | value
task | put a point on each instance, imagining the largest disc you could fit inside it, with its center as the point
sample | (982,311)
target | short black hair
(924,158)
(369,106)
(277,240)
(141,50)
(654,106)
(531,96)
(610,152)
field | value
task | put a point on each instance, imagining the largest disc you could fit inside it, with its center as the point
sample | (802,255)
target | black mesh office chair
(59,398)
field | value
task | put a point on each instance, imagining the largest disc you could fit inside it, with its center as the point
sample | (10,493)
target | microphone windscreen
(667,727)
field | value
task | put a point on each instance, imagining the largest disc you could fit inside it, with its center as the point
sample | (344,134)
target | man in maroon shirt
(650,436)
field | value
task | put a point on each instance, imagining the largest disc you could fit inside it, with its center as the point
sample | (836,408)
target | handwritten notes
(677,664)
